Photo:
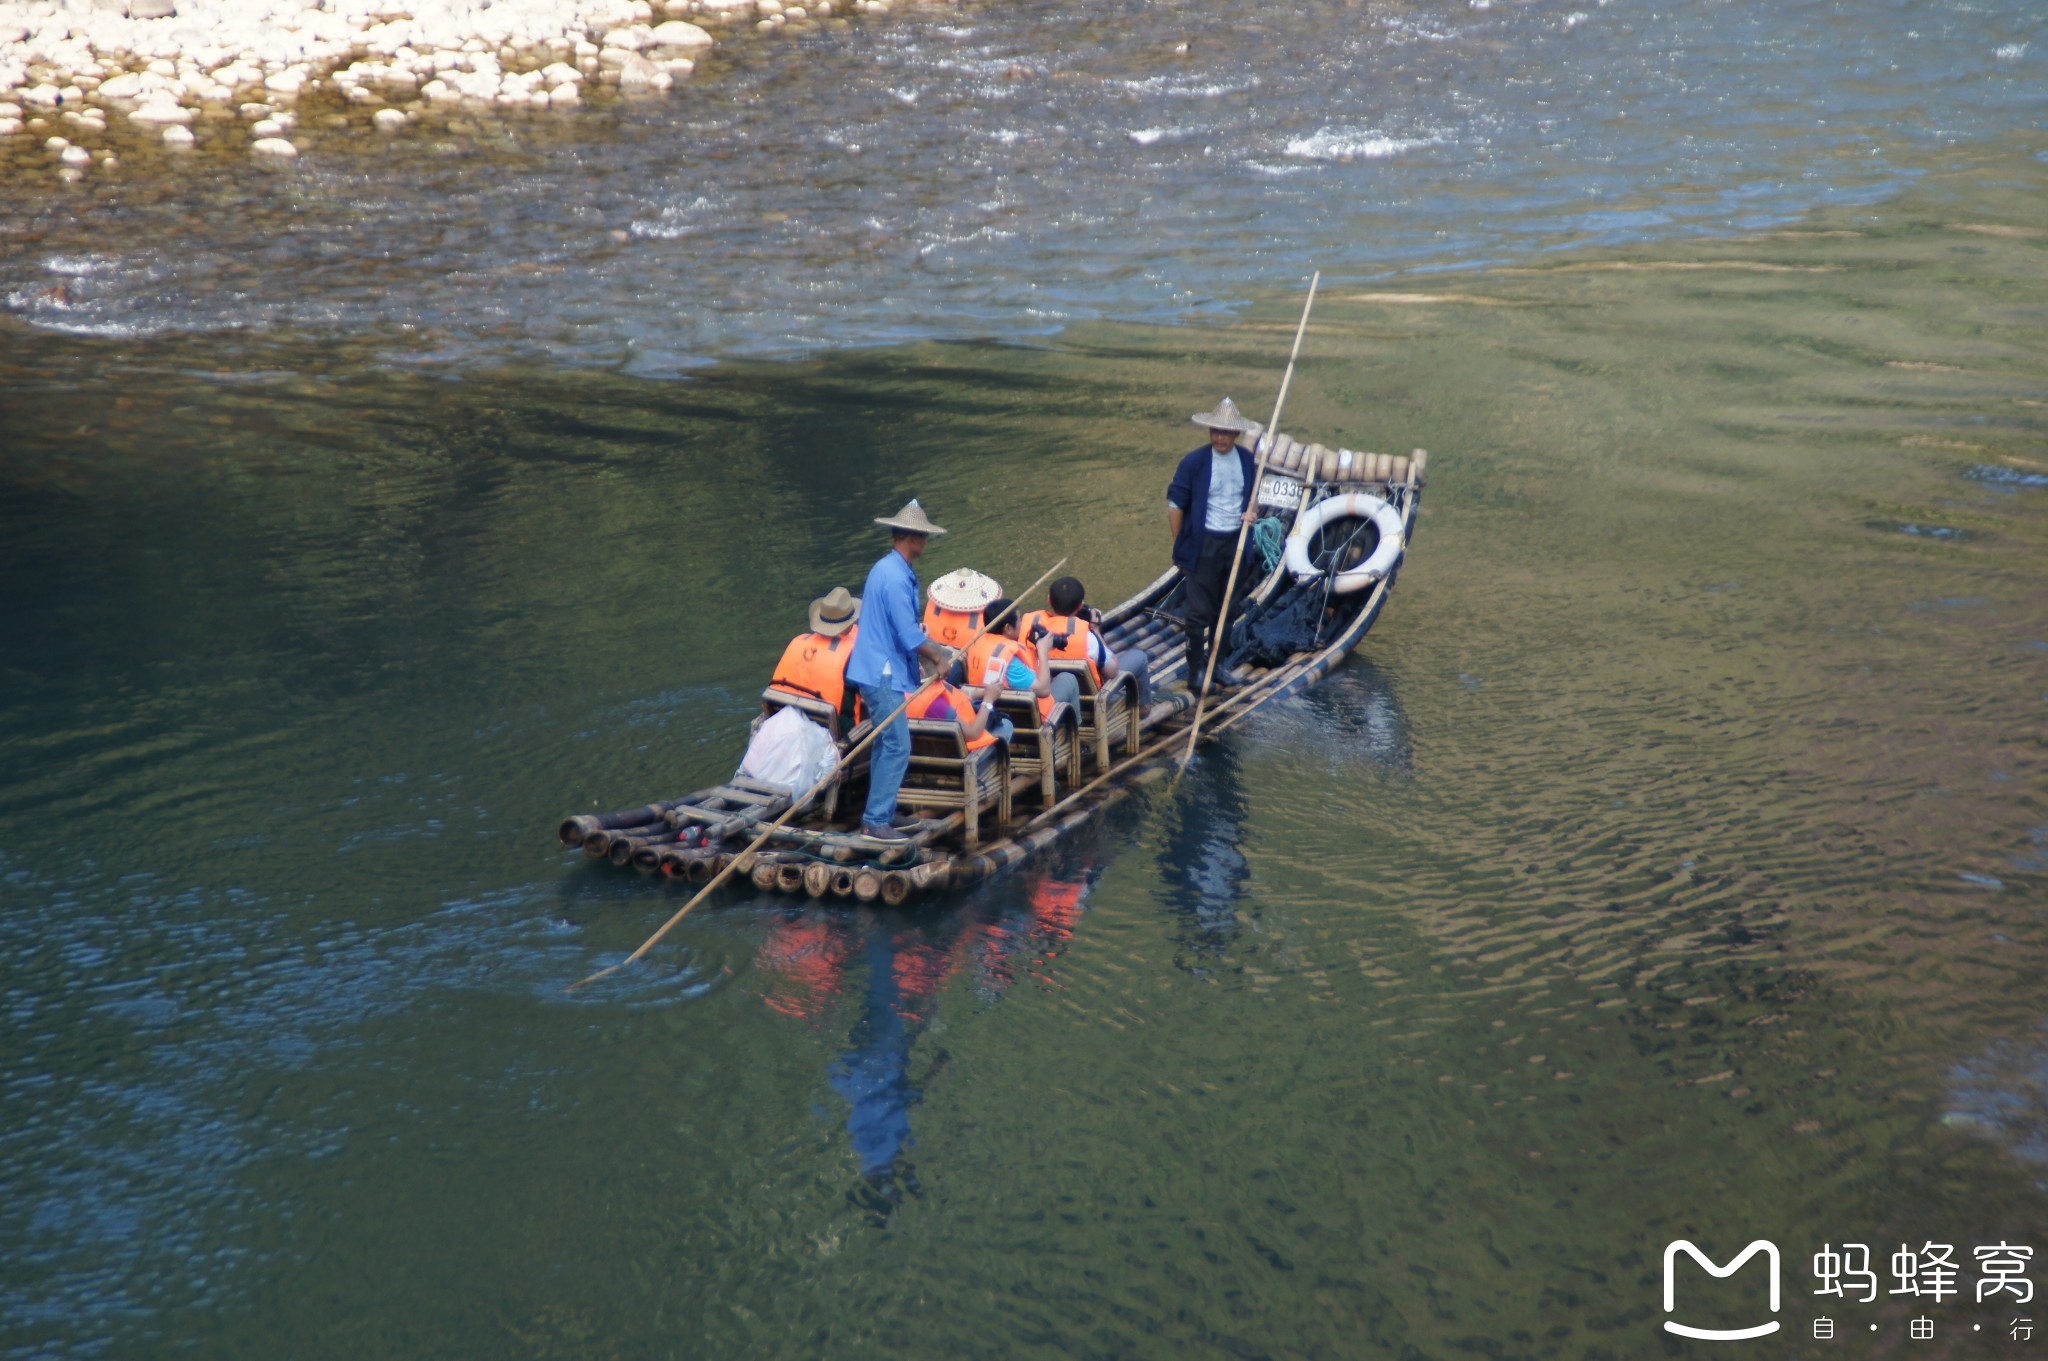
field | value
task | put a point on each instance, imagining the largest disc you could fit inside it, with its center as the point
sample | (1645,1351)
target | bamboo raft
(1056,775)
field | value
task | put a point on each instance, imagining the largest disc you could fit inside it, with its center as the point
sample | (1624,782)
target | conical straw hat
(911,520)
(1226,416)
(964,590)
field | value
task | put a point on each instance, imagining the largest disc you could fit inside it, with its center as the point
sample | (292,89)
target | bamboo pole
(1249,693)
(1244,527)
(815,790)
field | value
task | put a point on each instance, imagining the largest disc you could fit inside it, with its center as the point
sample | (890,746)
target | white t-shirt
(1226,492)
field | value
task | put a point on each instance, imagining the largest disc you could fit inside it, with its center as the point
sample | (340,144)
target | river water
(1005,170)
(1671,862)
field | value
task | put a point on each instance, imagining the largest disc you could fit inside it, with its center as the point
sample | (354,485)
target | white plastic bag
(789,750)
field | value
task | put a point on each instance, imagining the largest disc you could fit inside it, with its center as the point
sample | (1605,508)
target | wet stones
(675,33)
(160,67)
(638,73)
(161,110)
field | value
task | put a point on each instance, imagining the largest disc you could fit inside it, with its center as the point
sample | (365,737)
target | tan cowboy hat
(1226,416)
(964,590)
(911,520)
(834,613)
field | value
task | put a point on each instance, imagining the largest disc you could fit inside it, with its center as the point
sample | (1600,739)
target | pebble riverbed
(89,84)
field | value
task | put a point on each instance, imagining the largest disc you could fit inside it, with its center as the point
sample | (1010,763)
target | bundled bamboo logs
(817,864)
(575,831)
(1320,463)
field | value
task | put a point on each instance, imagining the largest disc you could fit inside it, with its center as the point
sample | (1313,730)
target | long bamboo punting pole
(797,805)
(1244,527)
(1251,697)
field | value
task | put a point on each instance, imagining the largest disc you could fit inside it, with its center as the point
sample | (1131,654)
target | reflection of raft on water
(984,810)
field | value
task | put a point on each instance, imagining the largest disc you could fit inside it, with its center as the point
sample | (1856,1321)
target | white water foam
(1351,144)
(2011,52)
(76,266)
(1178,88)
(1401,30)
(676,220)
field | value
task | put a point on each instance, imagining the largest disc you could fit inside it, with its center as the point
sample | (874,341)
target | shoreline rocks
(175,73)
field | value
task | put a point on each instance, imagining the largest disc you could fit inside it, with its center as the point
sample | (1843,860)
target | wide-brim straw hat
(964,590)
(911,520)
(835,612)
(1226,416)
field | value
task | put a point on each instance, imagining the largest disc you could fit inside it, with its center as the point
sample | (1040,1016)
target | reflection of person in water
(809,953)
(874,1075)
(1201,866)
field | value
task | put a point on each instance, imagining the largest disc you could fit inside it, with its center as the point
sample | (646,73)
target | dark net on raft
(1298,617)
(1268,634)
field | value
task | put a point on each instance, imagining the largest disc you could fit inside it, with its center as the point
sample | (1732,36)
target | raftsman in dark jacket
(1190,491)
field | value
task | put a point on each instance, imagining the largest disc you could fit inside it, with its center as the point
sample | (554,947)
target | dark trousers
(1204,606)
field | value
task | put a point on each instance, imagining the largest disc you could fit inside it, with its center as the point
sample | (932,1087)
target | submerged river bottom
(1670,863)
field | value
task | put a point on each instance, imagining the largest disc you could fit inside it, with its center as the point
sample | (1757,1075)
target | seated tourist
(956,604)
(1002,658)
(1077,636)
(974,710)
(814,663)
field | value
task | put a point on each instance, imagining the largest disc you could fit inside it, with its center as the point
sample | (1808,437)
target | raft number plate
(1277,490)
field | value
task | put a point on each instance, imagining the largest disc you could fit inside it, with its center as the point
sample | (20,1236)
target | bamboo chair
(1109,712)
(818,711)
(945,774)
(1044,750)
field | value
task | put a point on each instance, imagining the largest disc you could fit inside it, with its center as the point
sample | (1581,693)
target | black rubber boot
(1198,655)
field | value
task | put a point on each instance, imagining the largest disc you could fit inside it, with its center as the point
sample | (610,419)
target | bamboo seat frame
(944,773)
(1045,750)
(1108,711)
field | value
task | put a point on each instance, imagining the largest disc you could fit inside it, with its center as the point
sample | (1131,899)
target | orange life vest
(949,626)
(814,666)
(994,649)
(921,704)
(1070,638)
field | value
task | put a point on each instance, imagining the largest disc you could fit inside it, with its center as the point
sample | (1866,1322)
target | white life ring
(1352,505)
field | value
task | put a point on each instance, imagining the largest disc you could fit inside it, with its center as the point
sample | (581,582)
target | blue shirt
(1017,676)
(889,631)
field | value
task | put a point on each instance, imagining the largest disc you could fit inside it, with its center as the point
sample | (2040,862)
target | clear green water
(1671,863)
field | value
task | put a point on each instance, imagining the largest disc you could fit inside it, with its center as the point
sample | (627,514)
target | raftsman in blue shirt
(889,631)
